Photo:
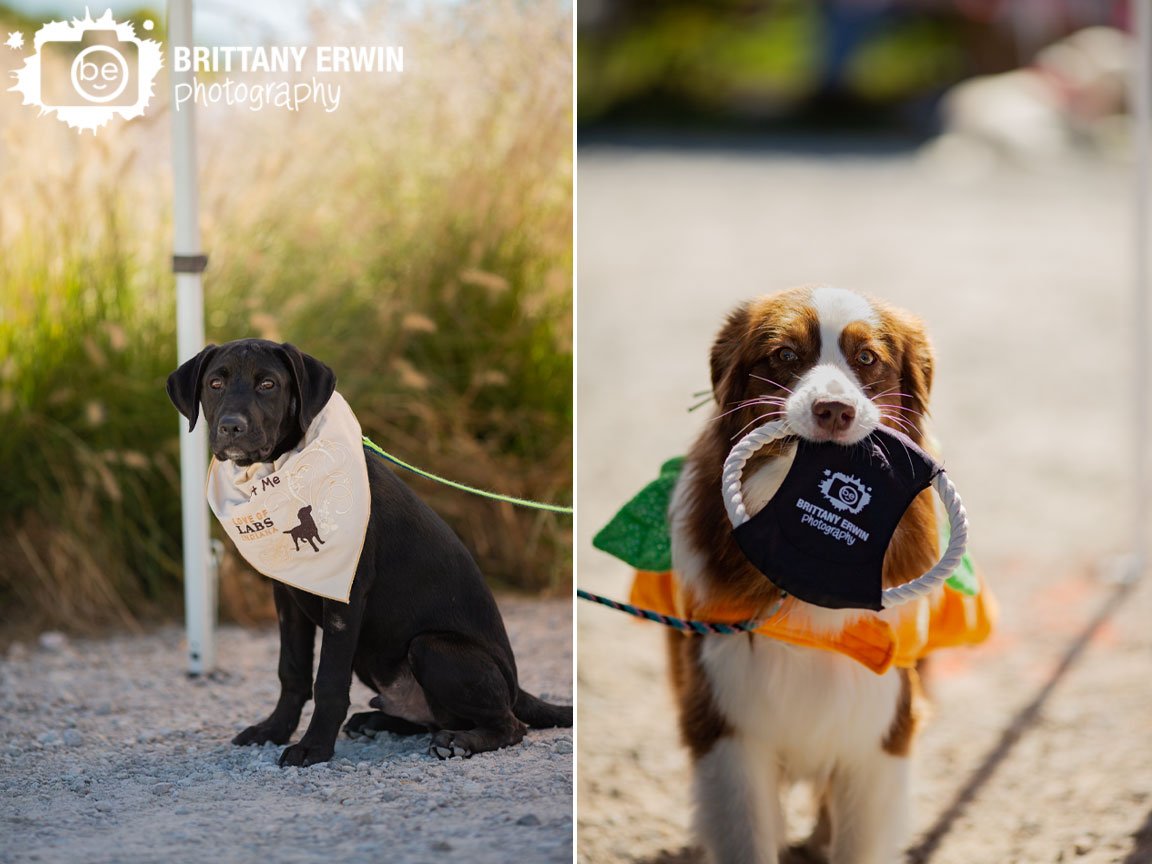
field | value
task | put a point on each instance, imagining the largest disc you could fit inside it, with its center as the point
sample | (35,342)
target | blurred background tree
(786,64)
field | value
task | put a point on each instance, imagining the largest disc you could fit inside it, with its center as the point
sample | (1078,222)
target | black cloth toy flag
(823,535)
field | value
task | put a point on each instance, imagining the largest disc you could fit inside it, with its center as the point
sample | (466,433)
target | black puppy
(421,627)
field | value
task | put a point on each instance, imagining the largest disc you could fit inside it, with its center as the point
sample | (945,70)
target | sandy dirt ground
(109,753)
(1040,749)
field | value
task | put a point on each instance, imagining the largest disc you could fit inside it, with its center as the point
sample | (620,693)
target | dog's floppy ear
(314,382)
(726,348)
(185,383)
(916,368)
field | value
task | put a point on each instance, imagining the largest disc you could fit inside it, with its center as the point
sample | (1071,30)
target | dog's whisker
(769,381)
(758,419)
(894,393)
(885,393)
(899,422)
(888,453)
(764,397)
(761,400)
(905,410)
(765,400)
(762,417)
(750,403)
(897,418)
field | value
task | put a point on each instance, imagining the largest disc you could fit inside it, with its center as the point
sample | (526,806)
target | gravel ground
(1040,749)
(110,753)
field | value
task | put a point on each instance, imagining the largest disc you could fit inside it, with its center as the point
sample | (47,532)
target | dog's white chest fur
(810,706)
(795,714)
(812,709)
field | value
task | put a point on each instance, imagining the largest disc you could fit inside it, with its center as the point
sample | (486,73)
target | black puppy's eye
(266,384)
(865,358)
(216,383)
(787,355)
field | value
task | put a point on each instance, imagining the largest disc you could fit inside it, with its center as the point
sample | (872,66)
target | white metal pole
(1141,113)
(188,262)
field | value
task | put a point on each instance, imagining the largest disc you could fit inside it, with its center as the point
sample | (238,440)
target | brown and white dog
(757,714)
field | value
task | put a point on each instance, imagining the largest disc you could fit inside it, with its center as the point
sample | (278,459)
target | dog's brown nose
(833,416)
(232,425)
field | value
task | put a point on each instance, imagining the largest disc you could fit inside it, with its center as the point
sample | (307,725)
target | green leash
(369,444)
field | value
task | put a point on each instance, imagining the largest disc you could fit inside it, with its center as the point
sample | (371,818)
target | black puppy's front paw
(446,744)
(262,733)
(304,754)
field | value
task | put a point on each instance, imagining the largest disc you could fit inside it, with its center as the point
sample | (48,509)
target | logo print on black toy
(845,492)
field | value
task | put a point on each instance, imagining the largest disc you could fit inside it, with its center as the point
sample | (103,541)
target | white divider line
(1141,113)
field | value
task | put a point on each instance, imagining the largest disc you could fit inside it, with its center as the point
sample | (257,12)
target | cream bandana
(301,519)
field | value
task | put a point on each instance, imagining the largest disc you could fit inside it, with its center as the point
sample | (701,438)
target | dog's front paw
(304,754)
(262,733)
(446,744)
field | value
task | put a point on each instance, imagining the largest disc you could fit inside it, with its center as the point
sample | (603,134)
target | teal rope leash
(369,444)
(683,625)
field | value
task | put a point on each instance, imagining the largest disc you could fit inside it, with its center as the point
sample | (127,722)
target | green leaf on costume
(638,534)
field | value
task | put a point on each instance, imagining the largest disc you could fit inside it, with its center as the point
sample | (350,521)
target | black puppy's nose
(232,425)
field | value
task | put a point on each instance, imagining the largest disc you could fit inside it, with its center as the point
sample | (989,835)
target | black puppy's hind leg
(297,643)
(470,695)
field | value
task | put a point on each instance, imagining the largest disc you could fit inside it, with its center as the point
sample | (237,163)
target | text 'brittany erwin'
(291,58)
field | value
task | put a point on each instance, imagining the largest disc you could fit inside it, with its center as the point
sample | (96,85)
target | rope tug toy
(823,535)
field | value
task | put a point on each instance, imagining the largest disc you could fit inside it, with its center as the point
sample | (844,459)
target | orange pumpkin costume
(946,620)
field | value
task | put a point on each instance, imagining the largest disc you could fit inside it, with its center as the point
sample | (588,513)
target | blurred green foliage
(726,60)
(699,55)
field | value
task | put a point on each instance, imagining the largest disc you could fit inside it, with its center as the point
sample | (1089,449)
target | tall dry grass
(418,240)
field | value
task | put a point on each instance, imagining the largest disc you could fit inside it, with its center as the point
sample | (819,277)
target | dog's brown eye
(866,358)
(787,355)
(266,384)
(216,383)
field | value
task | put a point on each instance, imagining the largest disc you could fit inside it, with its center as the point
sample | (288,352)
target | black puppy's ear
(185,383)
(314,382)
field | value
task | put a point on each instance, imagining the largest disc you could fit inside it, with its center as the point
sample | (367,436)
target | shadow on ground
(693,855)
(1142,852)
